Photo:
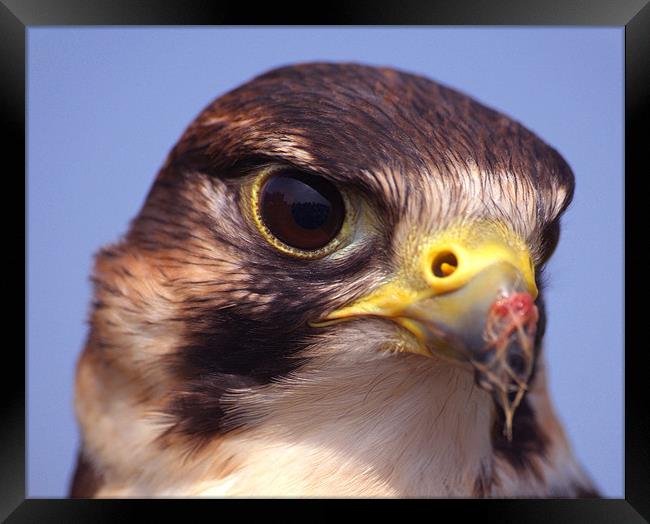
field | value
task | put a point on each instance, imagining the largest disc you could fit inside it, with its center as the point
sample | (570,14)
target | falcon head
(328,253)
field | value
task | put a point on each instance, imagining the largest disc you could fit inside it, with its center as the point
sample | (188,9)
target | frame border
(16,16)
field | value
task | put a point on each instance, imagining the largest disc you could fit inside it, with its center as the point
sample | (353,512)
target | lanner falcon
(334,288)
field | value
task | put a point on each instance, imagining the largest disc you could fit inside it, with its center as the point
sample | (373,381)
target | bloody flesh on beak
(505,363)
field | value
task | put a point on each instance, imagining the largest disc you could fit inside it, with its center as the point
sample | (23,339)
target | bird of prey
(333,288)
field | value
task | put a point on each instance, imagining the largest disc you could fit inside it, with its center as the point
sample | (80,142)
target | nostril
(444,264)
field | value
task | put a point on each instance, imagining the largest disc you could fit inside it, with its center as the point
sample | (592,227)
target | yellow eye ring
(256,193)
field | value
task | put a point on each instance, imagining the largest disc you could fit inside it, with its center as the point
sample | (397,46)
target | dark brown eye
(303,211)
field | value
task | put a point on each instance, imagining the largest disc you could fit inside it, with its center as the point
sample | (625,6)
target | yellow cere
(472,247)
(444,263)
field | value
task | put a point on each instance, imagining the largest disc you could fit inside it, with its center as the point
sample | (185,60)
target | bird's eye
(302,211)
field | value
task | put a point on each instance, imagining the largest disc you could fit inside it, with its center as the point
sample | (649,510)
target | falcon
(333,288)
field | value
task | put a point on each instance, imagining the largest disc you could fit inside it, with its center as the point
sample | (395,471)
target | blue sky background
(105,105)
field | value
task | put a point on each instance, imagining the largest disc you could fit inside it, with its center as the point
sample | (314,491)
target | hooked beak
(469,296)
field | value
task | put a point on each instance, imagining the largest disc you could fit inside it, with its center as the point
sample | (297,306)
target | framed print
(233,213)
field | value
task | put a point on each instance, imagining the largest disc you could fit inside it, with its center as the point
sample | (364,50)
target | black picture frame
(634,15)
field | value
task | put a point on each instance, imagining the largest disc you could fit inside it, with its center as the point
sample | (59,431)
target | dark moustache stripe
(228,351)
(240,347)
